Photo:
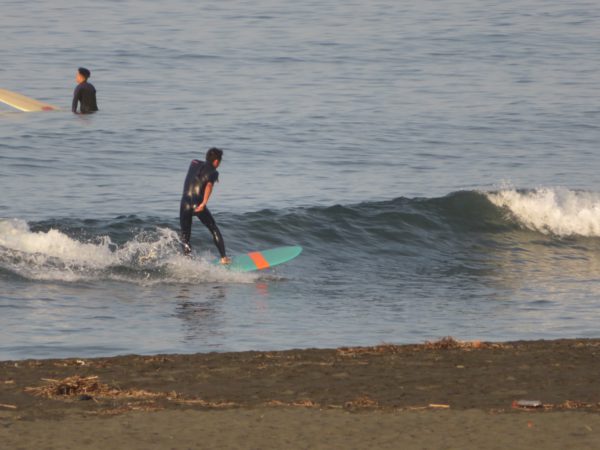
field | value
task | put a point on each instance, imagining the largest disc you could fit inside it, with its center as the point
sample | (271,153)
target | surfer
(85,93)
(198,186)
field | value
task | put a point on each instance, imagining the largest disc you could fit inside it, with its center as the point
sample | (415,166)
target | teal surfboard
(264,259)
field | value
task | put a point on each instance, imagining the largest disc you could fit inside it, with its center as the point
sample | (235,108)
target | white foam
(150,257)
(16,235)
(558,211)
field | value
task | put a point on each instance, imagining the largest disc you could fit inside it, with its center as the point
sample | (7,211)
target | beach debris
(361,402)
(445,343)
(306,404)
(527,404)
(70,362)
(378,349)
(7,406)
(571,404)
(430,406)
(70,386)
(530,405)
(448,343)
(90,388)
(300,403)
(203,403)
(77,386)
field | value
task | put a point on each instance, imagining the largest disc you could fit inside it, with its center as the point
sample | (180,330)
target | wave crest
(557,211)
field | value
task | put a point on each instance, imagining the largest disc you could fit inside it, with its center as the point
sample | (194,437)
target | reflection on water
(526,265)
(201,315)
(529,285)
(202,311)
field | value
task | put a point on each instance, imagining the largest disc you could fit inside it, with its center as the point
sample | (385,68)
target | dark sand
(441,395)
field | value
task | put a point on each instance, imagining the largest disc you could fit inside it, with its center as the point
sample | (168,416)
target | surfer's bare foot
(225,260)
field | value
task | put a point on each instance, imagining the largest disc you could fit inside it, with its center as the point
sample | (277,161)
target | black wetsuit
(199,175)
(86,94)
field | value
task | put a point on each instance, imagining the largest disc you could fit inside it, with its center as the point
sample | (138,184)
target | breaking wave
(148,257)
(146,250)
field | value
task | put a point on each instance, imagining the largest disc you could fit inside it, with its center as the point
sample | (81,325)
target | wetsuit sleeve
(76,98)
(213,177)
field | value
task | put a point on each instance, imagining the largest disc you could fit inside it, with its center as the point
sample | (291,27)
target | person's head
(214,156)
(82,75)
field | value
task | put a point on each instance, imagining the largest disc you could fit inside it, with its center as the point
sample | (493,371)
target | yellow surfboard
(23,102)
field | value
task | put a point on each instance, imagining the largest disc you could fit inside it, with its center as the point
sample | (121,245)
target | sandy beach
(446,394)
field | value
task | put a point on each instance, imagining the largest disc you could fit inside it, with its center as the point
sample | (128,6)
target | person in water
(85,93)
(198,186)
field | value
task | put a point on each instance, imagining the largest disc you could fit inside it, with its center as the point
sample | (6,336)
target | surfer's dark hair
(214,154)
(84,72)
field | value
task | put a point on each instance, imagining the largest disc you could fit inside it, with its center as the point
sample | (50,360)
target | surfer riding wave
(198,186)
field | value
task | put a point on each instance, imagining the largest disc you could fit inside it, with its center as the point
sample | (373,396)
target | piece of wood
(4,405)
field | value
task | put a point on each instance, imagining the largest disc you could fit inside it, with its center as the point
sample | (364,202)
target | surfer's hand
(225,260)
(200,207)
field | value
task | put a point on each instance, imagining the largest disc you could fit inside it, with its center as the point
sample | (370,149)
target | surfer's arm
(207,191)
(76,96)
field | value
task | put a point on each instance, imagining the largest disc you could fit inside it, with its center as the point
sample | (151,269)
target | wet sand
(439,395)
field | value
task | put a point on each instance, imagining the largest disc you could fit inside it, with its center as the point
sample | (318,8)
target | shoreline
(445,382)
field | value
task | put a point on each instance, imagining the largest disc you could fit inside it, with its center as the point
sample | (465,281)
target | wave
(557,211)
(147,258)
(146,250)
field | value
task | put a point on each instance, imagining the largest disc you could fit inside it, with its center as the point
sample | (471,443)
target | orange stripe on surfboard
(259,260)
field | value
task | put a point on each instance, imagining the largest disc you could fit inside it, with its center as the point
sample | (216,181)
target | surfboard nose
(24,103)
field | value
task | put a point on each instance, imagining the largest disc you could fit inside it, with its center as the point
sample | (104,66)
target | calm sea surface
(438,162)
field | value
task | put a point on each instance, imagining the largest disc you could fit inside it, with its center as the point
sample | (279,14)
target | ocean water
(437,161)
